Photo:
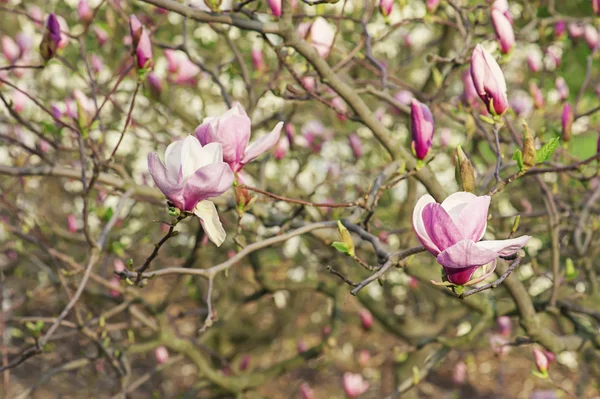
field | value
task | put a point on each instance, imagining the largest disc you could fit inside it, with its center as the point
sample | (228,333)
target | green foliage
(544,153)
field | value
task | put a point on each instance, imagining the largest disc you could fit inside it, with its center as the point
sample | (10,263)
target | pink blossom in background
(534,61)
(19,100)
(85,11)
(245,362)
(488,80)
(500,345)
(537,95)
(232,130)
(459,375)
(282,148)
(364,356)
(275,6)
(143,51)
(590,35)
(10,49)
(340,107)
(560,28)
(161,354)
(562,88)
(366,319)
(96,63)
(25,43)
(521,103)
(155,84)
(541,361)
(309,82)
(118,265)
(290,133)
(306,391)
(452,231)
(257,59)
(504,31)
(301,346)
(115,282)
(355,145)
(445,137)
(504,325)
(575,30)
(319,34)
(191,174)
(72,223)
(181,69)
(503,7)
(432,5)
(36,14)
(404,97)
(45,146)
(470,97)
(354,384)
(101,35)
(386,6)
(421,127)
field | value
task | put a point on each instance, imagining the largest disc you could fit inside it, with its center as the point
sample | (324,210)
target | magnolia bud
(567,122)
(541,361)
(465,175)
(528,149)
(161,354)
(85,12)
(386,7)
(504,325)
(355,145)
(459,376)
(51,38)
(366,318)
(275,6)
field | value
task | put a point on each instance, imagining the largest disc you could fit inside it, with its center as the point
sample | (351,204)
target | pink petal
(455,203)
(489,269)
(504,247)
(163,181)
(439,226)
(460,276)
(263,144)
(209,181)
(472,220)
(419,227)
(465,254)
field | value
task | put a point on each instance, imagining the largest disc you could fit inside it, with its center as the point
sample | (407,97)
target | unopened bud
(528,149)
(465,175)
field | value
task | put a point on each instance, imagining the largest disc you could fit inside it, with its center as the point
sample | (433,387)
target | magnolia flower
(452,231)
(181,69)
(537,95)
(72,223)
(340,107)
(143,51)
(245,362)
(590,34)
(404,97)
(534,61)
(155,85)
(488,80)
(282,148)
(500,345)
(232,130)
(308,82)
(504,31)
(85,11)
(161,354)
(319,33)
(190,175)
(502,6)
(366,318)
(10,49)
(354,384)
(97,64)
(25,43)
(562,88)
(386,6)
(355,145)
(421,127)
(521,103)
(52,38)
(275,6)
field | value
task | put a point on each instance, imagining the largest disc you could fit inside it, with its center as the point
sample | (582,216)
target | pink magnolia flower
(488,80)
(135,30)
(562,88)
(72,223)
(459,375)
(257,59)
(386,6)
(319,33)
(355,145)
(575,30)
(590,34)
(36,14)
(10,49)
(445,137)
(534,61)
(366,318)
(452,231)
(232,130)
(306,391)
(537,95)
(290,133)
(554,55)
(364,356)
(161,354)
(354,384)
(85,11)
(504,325)
(52,38)
(596,6)
(301,346)
(541,361)
(504,31)
(560,28)
(45,146)
(191,174)
(275,6)
(97,63)
(421,127)
(432,5)
(181,69)
(101,35)
(502,7)
(115,282)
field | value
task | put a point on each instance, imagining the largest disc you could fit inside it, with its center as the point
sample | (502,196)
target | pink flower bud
(118,265)
(135,30)
(340,107)
(85,12)
(459,375)
(534,61)
(155,85)
(554,54)
(404,97)
(19,101)
(257,59)
(10,49)
(504,31)
(504,325)
(567,122)
(432,5)
(386,7)
(541,361)
(72,223)
(143,51)
(37,15)
(499,345)
(354,384)
(306,391)
(355,145)
(301,346)
(596,6)
(537,95)
(282,148)
(363,357)
(366,318)
(45,146)
(575,30)
(308,82)
(326,331)
(52,38)
(245,362)
(591,36)
(488,80)
(115,281)
(97,64)
(101,35)
(562,88)
(421,128)
(275,6)
(161,354)
(290,132)
(560,28)
(413,283)
(550,356)
(25,43)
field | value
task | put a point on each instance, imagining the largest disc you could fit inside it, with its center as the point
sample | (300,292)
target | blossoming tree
(299,198)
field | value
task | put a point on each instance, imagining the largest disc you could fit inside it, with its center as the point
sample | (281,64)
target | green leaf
(487,119)
(341,246)
(108,214)
(571,272)
(518,156)
(544,153)
(437,77)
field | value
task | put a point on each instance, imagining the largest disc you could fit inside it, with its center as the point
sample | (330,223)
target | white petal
(191,153)
(504,247)
(173,158)
(209,217)
(455,203)
(418,225)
